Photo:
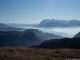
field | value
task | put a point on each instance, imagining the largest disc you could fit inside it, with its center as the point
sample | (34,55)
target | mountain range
(4,27)
(28,37)
(14,37)
(58,23)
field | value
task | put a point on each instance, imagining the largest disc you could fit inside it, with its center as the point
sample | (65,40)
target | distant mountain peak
(58,23)
(3,25)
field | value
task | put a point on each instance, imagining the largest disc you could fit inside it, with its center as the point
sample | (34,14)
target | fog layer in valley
(62,31)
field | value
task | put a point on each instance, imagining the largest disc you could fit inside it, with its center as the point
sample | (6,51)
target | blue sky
(33,11)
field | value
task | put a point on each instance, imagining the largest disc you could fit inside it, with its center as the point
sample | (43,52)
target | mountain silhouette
(42,35)
(58,23)
(4,27)
(29,37)
(60,43)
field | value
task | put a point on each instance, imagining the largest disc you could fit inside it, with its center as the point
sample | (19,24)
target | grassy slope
(8,53)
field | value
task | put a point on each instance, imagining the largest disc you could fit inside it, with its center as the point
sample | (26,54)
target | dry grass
(8,53)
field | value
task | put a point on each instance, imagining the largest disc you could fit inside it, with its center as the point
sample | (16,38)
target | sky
(34,11)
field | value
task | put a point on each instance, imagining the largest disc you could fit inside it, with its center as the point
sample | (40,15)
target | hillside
(18,39)
(8,53)
(27,38)
(60,43)
(77,35)
(43,36)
